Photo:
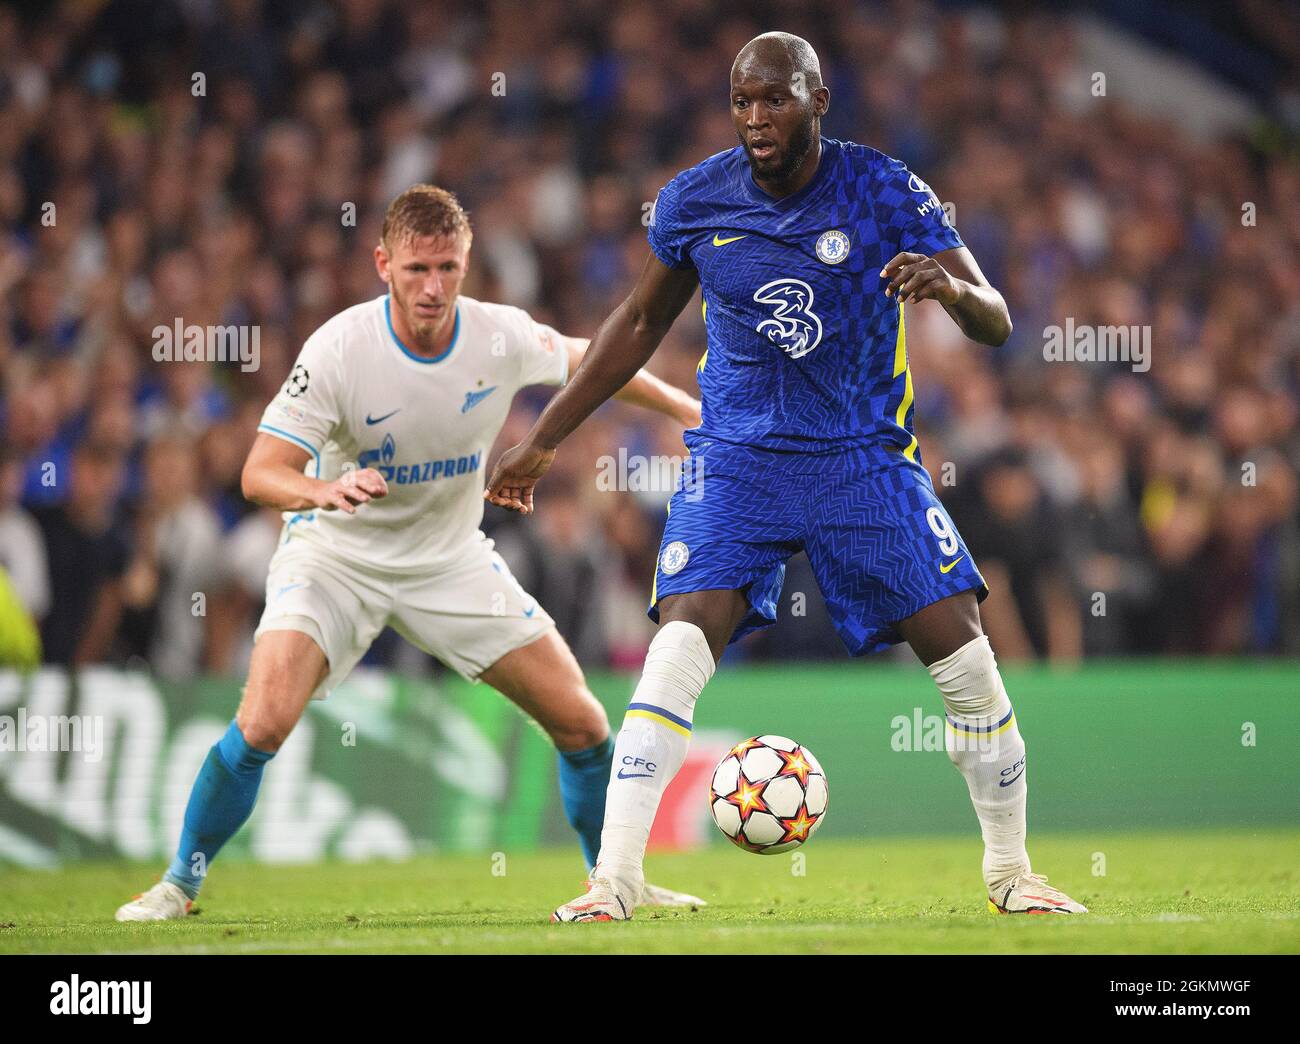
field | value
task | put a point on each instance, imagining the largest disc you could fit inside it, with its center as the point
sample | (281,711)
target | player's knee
(715,613)
(262,726)
(267,713)
(285,669)
(969,680)
(582,726)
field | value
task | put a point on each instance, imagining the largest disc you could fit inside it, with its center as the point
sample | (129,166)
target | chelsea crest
(832,247)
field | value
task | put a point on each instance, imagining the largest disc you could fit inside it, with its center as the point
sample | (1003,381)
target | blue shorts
(880,543)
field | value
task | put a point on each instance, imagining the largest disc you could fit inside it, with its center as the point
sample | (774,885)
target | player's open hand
(515,476)
(359,486)
(915,277)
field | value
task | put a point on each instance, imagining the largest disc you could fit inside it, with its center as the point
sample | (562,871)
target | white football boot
(653,895)
(1031,894)
(602,902)
(163,902)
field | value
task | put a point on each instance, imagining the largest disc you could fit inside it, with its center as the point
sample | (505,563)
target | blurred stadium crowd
(1112,511)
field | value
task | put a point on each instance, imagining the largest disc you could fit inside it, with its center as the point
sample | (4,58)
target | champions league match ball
(768,795)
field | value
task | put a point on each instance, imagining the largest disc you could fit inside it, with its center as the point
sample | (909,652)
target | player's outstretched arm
(273,477)
(622,345)
(952,278)
(645,390)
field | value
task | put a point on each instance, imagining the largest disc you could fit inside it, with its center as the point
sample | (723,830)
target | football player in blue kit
(805,249)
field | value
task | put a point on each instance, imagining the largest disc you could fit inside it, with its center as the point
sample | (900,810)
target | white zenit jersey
(358,397)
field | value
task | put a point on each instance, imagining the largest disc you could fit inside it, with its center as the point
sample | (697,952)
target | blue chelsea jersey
(805,352)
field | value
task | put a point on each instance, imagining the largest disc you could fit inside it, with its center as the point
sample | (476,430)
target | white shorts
(468,614)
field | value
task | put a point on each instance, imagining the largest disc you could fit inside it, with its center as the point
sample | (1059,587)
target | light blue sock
(220,803)
(584,776)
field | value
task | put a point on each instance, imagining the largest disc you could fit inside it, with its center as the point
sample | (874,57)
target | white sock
(984,742)
(651,747)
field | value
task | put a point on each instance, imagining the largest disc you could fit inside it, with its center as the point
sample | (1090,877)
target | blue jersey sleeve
(918,219)
(664,231)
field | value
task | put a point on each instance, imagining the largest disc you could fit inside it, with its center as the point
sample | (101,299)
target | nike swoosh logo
(949,567)
(530,610)
(634,775)
(376,420)
(724,242)
(1008,782)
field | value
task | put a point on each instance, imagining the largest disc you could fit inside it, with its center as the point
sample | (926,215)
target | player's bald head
(781,57)
(777,101)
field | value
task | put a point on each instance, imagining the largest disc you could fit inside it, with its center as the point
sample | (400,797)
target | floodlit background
(1116,167)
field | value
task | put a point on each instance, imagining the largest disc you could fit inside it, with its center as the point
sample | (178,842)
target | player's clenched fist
(515,475)
(350,489)
(915,277)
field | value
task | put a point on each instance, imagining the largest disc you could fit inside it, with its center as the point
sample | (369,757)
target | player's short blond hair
(424,210)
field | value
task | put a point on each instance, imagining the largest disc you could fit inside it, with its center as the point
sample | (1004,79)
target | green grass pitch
(1187,892)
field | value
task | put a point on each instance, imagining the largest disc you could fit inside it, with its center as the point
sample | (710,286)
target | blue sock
(220,803)
(584,777)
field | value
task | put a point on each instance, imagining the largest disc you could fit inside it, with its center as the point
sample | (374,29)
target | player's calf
(544,680)
(984,743)
(651,746)
(285,670)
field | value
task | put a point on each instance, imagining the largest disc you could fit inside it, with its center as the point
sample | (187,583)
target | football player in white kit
(375,450)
